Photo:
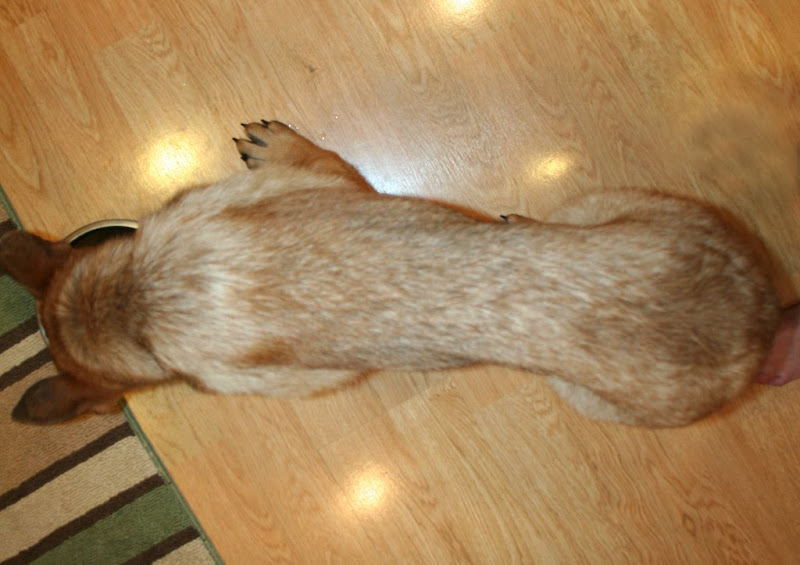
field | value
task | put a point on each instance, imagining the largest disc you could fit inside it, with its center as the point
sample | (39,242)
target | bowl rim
(116,223)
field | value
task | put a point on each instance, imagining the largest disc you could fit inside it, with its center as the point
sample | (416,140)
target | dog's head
(42,267)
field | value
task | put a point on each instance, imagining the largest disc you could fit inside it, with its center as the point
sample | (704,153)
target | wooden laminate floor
(507,106)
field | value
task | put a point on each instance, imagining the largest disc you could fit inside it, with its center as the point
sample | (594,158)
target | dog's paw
(266,141)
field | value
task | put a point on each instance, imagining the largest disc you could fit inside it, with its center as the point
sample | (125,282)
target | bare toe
(783,362)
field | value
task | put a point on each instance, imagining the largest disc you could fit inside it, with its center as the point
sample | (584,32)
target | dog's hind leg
(273,380)
(589,404)
(275,142)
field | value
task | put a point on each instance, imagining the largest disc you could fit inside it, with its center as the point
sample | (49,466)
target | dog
(297,277)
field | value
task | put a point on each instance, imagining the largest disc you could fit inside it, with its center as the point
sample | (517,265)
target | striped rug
(85,492)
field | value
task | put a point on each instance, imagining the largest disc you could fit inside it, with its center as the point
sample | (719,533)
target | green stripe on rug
(6,209)
(16,306)
(154,517)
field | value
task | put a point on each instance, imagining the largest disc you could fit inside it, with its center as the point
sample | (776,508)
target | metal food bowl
(95,234)
(98,232)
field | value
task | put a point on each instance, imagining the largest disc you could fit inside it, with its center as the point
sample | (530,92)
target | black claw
(244,125)
(265,122)
(244,157)
(235,139)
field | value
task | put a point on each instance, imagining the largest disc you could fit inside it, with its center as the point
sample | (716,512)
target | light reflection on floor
(173,159)
(371,490)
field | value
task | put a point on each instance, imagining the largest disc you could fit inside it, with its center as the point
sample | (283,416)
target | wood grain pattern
(108,108)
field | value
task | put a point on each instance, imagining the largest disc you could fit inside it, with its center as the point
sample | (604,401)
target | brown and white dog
(297,277)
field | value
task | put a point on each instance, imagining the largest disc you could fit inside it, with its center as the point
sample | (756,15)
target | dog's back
(660,308)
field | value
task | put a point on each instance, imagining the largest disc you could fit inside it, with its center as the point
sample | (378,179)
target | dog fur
(296,277)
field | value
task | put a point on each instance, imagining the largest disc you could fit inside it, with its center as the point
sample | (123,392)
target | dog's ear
(61,398)
(31,260)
